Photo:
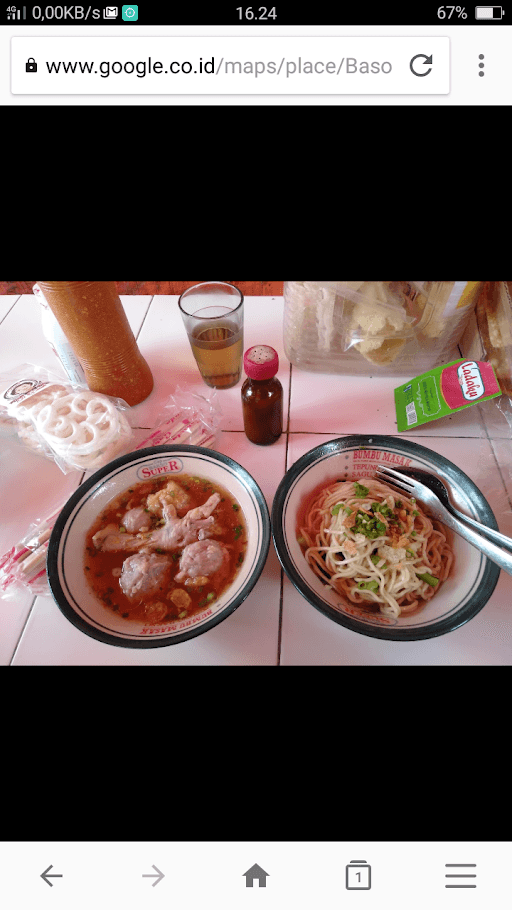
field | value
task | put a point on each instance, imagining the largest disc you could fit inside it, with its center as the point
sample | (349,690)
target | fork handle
(490,533)
(501,557)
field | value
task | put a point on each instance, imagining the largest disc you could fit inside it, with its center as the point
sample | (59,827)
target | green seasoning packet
(442,391)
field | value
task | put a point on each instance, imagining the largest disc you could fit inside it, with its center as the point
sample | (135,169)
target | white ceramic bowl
(65,563)
(472,579)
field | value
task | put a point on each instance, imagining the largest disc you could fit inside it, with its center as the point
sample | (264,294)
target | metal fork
(425,496)
(438,486)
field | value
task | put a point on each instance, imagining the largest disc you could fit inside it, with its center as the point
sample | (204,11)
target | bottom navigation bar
(227,875)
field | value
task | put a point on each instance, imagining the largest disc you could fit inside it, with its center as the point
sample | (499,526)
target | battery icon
(489,12)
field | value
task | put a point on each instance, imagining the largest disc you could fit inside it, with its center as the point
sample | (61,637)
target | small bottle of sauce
(93,320)
(262,396)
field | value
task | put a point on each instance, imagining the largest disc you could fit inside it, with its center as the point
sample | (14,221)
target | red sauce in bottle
(262,396)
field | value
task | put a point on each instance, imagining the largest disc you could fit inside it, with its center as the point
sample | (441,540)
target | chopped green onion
(370,527)
(430,579)
(415,512)
(368,585)
(411,554)
(383,508)
(335,509)
(361,491)
(376,559)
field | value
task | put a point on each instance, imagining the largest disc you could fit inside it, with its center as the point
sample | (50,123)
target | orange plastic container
(92,317)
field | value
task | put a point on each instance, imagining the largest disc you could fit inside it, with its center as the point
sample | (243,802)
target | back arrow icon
(45,876)
(425,60)
(159,876)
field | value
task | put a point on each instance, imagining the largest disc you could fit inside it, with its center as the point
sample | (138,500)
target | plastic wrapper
(190,419)
(390,327)
(23,567)
(77,428)
(494,320)
(491,338)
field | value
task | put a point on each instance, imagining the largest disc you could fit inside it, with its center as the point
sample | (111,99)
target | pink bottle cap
(261,362)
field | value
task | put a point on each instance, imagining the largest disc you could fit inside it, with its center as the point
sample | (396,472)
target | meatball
(145,575)
(136,520)
(205,558)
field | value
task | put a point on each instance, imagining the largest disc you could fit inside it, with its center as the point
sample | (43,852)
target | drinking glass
(213,314)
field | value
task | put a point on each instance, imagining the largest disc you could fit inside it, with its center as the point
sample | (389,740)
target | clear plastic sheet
(190,419)
(494,324)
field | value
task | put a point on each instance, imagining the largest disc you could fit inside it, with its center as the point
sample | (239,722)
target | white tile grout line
(491,441)
(11,307)
(281,590)
(144,318)
(23,630)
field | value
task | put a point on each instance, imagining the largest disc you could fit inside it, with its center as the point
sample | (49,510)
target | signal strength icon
(13,13)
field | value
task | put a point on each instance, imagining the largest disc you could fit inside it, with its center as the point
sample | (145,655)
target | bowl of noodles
(371,558)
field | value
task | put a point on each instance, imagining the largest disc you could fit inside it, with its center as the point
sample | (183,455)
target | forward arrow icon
(159,876)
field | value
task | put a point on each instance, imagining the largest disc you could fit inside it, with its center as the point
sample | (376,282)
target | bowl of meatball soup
(159,546)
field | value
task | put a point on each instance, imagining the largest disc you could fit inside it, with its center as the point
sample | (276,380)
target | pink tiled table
(275,625)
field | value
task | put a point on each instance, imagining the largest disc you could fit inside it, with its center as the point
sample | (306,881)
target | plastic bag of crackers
(77,428)
(372,327)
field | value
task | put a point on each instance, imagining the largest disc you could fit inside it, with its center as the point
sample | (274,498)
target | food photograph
(256,473)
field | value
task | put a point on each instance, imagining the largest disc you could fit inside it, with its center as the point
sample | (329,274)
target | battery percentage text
(446,12)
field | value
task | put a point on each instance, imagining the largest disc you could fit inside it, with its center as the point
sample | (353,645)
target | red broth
(99,566)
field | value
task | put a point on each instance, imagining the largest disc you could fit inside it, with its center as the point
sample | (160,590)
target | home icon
(258,873)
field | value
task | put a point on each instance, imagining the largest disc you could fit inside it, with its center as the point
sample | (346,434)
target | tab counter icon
(358,875)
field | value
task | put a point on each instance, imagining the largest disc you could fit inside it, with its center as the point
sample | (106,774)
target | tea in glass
(213,317)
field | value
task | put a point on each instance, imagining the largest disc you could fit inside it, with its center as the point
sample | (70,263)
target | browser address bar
(234,65)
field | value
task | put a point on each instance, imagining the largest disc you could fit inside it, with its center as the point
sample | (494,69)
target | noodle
(371,544)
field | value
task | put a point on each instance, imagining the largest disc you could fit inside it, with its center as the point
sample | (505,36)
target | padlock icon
(31,65)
